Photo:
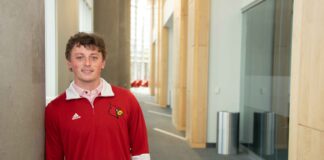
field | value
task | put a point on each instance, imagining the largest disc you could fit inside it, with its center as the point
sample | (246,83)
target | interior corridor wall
(51,63)
(246,3)
(224,61)
(67,25)
(22,87)
(112,21)
(170,61)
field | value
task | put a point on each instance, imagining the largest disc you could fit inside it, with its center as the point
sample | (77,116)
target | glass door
(266,78)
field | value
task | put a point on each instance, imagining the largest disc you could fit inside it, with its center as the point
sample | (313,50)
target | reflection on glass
(265,78)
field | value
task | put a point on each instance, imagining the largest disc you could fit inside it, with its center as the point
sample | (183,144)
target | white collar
(107,91)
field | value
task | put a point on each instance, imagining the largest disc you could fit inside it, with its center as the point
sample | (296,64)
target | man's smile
(87,71)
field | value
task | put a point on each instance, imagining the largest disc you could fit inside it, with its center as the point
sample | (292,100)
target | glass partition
(266,78)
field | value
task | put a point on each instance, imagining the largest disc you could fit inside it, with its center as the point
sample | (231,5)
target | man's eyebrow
(95,53)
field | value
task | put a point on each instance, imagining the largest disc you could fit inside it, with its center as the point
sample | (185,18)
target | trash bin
(264,133)
(227,132)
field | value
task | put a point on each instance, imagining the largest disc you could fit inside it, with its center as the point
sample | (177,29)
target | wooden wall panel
(152,49)
(197,71)
(295,68)
(152,70)
(310,144)
(159,54)
(163,66)
(311,101)
(180,67)
(162,79)
(306,133)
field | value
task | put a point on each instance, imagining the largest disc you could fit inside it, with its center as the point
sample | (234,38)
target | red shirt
(113,129)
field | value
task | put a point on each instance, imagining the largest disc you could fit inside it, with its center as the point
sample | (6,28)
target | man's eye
(94,58)
(79,57)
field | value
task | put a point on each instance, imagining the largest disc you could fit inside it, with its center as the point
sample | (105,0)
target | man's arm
(53,146)
(137,132)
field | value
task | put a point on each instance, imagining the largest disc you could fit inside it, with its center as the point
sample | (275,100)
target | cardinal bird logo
(116,111)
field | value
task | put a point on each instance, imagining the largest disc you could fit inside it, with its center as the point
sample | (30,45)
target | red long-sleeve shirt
(113,128)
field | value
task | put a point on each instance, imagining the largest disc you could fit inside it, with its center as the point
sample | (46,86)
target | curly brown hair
(88,40)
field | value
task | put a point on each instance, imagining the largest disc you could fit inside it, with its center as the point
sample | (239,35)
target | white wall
(224,61)
(50,50)
(167,10)
(249,3)
(246,2)
(86,16)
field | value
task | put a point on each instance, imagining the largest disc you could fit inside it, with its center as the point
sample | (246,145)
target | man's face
(86,64)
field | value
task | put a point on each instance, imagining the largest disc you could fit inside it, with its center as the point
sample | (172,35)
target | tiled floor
(166,143)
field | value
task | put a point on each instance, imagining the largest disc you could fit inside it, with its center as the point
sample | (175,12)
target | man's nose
(87,61)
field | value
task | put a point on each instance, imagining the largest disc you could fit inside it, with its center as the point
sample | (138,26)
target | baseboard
(210,145)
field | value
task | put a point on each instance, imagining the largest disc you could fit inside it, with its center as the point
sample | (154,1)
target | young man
(93,120)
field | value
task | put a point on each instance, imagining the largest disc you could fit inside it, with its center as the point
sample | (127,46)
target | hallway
(164,146)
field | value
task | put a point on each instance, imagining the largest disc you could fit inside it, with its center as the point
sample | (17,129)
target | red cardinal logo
(116,111)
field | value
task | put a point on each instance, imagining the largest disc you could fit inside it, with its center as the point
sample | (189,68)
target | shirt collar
(86,93)
(106,91)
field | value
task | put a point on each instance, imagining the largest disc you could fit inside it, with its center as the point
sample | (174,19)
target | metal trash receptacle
(227,132)
(264,132)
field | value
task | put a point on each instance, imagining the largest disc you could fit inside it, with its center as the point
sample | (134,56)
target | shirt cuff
(141,157)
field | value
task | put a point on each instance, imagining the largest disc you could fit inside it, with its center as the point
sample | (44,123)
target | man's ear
(69,65)
(103,64)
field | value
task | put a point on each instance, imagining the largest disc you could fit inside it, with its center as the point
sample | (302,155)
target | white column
(50,50)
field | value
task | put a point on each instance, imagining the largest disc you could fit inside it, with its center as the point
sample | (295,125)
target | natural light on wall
(50,50)
(86,15)
(140,27)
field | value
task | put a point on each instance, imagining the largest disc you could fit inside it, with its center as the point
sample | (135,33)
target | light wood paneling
(310,144)
(307,88)
(180,67)
(152,70)
(311,101)
(295,67)
(162,59)
(197,71)
(163,66)
(152,50)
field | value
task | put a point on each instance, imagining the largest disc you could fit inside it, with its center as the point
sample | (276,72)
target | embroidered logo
(119,112)
(116,111)
(75,116)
